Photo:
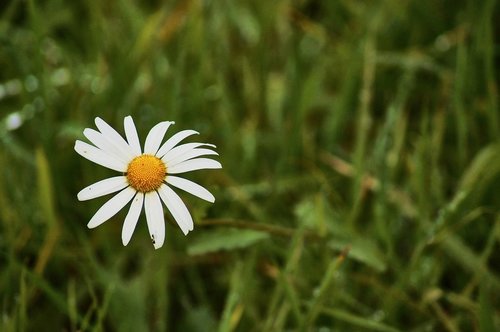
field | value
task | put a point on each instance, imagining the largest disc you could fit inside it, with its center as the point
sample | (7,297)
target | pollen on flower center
(146,173)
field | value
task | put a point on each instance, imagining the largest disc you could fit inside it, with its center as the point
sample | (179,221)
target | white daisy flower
(147,176)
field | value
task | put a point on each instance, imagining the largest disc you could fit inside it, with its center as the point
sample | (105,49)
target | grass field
(360,144)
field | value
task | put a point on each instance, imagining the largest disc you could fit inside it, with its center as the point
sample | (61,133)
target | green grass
(360,143)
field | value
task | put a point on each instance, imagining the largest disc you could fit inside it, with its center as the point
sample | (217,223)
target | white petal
(155,136)
(173,141)
(100,157)
(111,207)
(190,155)
(191,187)
(192,165)
(102,143)
(114,138)
(131,134)
(103,187)
(181,149)
(177,208)
(155,218)
(132,218)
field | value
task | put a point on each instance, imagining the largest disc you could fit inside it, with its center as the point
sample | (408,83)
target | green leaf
(225,239)
(468,259)
(355,320)
(45,188)
(362,250)
(486,313)
(482,169)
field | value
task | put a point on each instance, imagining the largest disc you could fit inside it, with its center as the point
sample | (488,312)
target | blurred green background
(361,165)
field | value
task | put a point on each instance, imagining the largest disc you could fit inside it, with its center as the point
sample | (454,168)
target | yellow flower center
(146,173)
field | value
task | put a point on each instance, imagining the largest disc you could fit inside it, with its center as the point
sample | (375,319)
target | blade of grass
(321,293)
(486,311)
(276,314)
(46,199)
(358,321)
(233,307)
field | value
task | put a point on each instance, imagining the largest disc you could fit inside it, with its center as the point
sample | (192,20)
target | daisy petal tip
(81,196)
(157,245)
(126,238)
(210,198)
(168,123)
(127,119)
(188,230)
(79,147)
(125,241)
(76,145)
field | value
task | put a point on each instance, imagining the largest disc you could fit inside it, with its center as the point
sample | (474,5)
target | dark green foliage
(361,165)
